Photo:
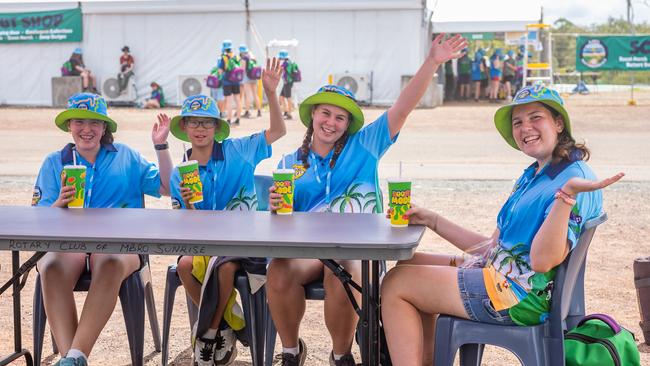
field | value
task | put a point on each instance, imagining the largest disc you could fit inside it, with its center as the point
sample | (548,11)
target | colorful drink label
(399,193)
(284,185)
(75,175)
(191,178)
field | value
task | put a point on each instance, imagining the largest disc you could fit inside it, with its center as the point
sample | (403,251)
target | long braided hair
(338,145)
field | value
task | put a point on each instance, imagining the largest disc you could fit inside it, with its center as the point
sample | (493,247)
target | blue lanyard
(328,178)
(214,185)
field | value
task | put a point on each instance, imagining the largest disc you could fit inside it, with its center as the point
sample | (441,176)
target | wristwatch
(163,146)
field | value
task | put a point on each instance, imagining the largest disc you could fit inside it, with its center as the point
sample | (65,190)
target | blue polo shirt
(353,182)
(476,70)
(119,177)
(521,217)
(228,179)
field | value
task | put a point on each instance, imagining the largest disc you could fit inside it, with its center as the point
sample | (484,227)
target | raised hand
(160,129)
(442,51)
(578,185)
(271,75)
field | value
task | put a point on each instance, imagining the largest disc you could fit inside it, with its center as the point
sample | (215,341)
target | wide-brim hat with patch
(85,106)
(334,95)
(199,106)
(529,94)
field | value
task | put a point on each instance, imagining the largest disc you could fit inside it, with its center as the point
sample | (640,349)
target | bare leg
(237,105)
(256,97)
(340,317)
(192,286)
(289,105)
(477,90)
(408,290)
(286,296)
(108,272)
(283,104)
(428,259)
(59,274)
(84,80)
(226,284)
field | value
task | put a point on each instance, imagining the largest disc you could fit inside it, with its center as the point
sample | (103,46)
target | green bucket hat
(529,94)
(199,106)
(85,106)
(334,95)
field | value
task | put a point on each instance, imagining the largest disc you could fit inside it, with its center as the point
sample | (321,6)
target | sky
(581,12)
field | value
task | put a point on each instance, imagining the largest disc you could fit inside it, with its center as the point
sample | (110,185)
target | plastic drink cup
(283,182)
(399,193)
(75,175)
(190,177)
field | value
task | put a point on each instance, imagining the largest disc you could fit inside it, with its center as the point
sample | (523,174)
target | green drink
(190,177)
(283,182)
(75,175)
(399,194)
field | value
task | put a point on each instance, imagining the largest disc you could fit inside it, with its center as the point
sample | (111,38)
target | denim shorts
(475,298)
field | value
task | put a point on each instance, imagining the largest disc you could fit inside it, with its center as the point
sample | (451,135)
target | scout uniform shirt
(228,178)
(352,185)
(509,278)
(119,177)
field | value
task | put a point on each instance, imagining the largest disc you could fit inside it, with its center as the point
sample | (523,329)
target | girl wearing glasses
(226,169)
(336,171)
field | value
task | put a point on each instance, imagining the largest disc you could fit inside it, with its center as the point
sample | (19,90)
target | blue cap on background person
(243,48)
(283,54)
(77,51)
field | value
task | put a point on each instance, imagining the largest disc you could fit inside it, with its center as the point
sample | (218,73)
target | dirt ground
(460,166)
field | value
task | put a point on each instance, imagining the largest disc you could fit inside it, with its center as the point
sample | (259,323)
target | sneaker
(225,351)
(71,361)
(346,360)
(236,123)
(203,350)
(246,114)
(259,113)
(287,115)
(296,360)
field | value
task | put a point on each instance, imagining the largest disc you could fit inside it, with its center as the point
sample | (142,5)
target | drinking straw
(74,156)
(185,152)
(283,163)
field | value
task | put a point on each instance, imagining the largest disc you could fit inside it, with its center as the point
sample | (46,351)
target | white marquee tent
(182,37)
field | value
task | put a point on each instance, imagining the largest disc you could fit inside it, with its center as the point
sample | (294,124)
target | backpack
(253,71)
(66,69)
(291,73)
(234,72)
(599,340)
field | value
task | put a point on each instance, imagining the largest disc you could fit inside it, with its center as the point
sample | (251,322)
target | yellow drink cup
(399,194)
(191,178)
(283,182)
(75,175)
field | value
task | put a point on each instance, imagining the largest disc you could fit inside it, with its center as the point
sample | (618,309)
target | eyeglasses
(205,123)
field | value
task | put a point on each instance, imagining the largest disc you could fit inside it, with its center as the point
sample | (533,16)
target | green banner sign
(630,53)
(42,26)
(481,36)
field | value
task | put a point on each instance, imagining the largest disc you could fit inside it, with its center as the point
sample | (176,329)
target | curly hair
(567,147)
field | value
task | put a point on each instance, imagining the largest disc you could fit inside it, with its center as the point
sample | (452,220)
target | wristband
(163,146)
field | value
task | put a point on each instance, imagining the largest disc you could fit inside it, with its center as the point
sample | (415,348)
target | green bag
(599,340)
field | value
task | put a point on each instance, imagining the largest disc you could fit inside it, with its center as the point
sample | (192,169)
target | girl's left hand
(443,51)
(578,185)
(271,75)
(160,129)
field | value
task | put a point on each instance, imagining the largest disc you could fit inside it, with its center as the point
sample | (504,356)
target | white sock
(293,350)
(336,357)
(211,333)
(75,353)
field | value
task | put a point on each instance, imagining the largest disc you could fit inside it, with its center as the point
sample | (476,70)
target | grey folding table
(365,237)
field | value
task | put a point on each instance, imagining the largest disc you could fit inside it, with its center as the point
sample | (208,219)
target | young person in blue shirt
(231,89)
(226,168)
(336,171)
(540,223)
(116,176)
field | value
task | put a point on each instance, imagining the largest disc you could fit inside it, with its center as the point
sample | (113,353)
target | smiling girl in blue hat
(226,169)
(116,176)
(336,171)
(539,224)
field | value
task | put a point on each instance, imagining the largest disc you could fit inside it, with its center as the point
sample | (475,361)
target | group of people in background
(235,91)
(493,77)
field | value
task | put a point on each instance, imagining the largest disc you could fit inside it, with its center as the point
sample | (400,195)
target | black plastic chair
(541,344)
(135,292)
(253,305)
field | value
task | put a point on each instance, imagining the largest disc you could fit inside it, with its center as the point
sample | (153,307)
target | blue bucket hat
(283,54)
(85,106)
(529,94)
(243,48)
(226,45)
(334,95)
(199,106)
(77,51)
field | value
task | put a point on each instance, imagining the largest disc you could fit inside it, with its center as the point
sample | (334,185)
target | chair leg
(270,335)
(132,300)
(171,284)
(471,354)
(259,300)
(145,274)
(39,318)
(444,347)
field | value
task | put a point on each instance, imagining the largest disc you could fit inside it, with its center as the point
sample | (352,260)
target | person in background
(464,74)
(250,97)
(290,68)
(231,89)
(157,99)
(495,74)
(127,63)
(509,71)
(88,82)
(450,81)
